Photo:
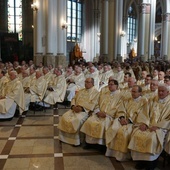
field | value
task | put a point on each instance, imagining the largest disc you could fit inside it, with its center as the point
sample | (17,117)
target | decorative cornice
(58,54)
(38,53)
(49,53)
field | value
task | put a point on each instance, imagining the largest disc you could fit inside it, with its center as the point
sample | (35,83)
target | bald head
(161,75)
(163,91)
(38,74)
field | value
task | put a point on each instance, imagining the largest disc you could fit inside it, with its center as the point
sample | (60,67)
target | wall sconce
(135,40)
(123,33)
(98,35)
(64,25)
(34,6)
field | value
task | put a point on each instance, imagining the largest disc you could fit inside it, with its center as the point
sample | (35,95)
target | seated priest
(148,139)
(82,104)
(101,119)
(13,97)
(119,133)
(3,81)
(57,89)
(37,90)
(26,80)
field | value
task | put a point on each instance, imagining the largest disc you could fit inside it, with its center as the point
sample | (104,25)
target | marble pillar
(144,34)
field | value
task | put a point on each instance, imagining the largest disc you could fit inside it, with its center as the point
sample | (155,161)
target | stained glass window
(15,17)
(131,24)
(74,20)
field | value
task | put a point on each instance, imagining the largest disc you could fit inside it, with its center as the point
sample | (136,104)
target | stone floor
(31,142)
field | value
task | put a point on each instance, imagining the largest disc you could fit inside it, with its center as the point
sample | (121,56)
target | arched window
(131,28)
(15,17)
(74,20)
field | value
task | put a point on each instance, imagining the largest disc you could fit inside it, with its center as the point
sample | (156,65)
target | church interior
(64,33)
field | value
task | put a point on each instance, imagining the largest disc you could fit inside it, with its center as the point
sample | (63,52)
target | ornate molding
(49,53)
(60,54)
(38,53)
(145,8)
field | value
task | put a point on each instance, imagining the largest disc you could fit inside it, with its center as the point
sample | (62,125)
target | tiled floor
(31,142)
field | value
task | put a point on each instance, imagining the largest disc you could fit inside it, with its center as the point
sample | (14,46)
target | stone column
(165,52)
(38,32)
(144,27)
(96,29)
(51,44)
(104,30)
(152,30)
(61,33)
(112,36)
(119,17)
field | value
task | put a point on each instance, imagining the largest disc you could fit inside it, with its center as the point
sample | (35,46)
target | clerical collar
(90,89)
(137,99)
(113,92)
(163,100)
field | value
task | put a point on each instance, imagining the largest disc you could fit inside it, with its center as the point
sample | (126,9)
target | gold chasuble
(118,136)
(86,98)
(153,142)
(96,126)
(13,91)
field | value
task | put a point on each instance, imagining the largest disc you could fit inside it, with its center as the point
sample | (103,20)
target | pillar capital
(145,8)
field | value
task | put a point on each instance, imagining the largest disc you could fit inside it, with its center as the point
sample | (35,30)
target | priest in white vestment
(94,73)
(82,104)
(57,89)
(167,143)
(107,72)
(124,84)
(75,83)
(147,141)
(13,96)
(3,82)
(119,75)
(47,74)
(146,86)
(119,133)
(38,88)
(153,89)
(26,86)
(102,117)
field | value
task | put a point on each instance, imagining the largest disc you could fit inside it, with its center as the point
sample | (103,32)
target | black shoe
(17,114)
(8,119)
(87,146)
(32,106)
(101,148)
(39,108)
(140,165)
(151,165)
